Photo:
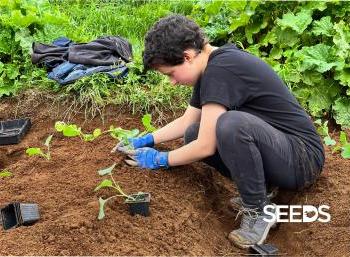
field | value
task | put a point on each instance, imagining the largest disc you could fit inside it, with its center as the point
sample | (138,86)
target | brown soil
(189,205)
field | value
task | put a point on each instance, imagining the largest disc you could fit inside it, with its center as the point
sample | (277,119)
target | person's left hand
(148,158)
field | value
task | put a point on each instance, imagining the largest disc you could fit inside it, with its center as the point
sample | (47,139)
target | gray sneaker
(235,203)
(253,229)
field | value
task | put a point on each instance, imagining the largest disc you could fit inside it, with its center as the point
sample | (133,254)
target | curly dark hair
(167,40)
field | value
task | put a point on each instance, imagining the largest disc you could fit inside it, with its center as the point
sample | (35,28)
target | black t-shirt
(240,81)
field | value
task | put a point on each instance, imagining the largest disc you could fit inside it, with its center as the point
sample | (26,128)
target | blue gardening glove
(148,158)
(136,142)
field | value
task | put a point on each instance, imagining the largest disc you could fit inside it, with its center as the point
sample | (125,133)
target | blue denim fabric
(62,41)
(67,72)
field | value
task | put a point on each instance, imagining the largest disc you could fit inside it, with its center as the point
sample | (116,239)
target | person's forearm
(171,131)
(189,153)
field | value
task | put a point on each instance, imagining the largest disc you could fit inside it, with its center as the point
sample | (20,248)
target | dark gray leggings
(254,154)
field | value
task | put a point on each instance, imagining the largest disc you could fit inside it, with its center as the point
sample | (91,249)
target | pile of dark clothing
(67,61)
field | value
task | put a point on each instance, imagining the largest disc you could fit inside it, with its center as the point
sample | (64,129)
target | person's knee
(232,123)
(191,133)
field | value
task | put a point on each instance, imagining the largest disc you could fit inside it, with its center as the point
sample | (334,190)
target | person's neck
(207,50)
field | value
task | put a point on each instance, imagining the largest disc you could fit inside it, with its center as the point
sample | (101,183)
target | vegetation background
(306,42)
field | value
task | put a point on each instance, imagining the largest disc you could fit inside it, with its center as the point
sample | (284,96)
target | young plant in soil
(32,151)
(72,130)
(113,184)
(343,146)
(5,174)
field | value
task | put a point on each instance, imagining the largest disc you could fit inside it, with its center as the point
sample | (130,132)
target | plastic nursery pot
(12,131)
(264,250)
(17,214)
(140,204)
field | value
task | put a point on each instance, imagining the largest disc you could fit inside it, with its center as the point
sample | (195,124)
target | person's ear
(188,56)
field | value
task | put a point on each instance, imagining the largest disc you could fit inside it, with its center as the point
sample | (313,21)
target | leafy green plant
(72,130)
(5,174)
(323,131)
(343,146)
(113,184)
(37,151)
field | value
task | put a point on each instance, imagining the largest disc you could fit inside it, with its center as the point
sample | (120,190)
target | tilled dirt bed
(189,204)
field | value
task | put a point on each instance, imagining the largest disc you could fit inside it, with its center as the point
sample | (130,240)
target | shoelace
(253,213)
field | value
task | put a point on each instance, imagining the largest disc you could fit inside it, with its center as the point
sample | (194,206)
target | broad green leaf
(71,130)
(48,140)
(319,57)
(104,183)
(343,76)
(323,27)
(298,22)
(146,121)
(286,37)
(341,110)
(329,141)
(97,132)
(101,213)
(5,173)
(343,138)
(106,170)
(342,38)
(34,151)
(346,151)
(322,97)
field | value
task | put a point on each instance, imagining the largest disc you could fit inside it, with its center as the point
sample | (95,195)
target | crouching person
(241,119)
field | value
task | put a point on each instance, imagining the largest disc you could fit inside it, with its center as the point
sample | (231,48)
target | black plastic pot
(140,204)
(264,250)
(12,131)
(17,214)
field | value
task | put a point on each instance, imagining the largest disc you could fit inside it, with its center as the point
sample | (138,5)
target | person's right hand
(134,143)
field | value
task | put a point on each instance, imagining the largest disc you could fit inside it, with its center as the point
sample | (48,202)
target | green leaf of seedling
(336,149)
(71,130)
(5,173)
(101,213)
(342,138)
(59,126)
(88,137)
(104,183)
(106,170)
(346,151)
(329,141)
(48,140)
(146,121)
(34,151)
(97,132)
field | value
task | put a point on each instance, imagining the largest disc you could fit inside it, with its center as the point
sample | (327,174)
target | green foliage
(33,151)
(323,131)
(343,146)
(307,43)
(109,183)
(72,130)
(20,21)
(5,174)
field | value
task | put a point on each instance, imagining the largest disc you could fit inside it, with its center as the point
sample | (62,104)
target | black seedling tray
(17,214)
(12,131)
(140,205)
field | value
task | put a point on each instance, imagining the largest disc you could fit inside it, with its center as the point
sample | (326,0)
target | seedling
(343,146)
(323,131)
(37,151)
(146,121)
(72,130)
(112,183)
(5,174)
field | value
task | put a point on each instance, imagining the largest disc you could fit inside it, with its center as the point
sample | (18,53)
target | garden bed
(189,212)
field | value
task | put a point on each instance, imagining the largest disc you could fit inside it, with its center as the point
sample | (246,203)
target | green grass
(130,19)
